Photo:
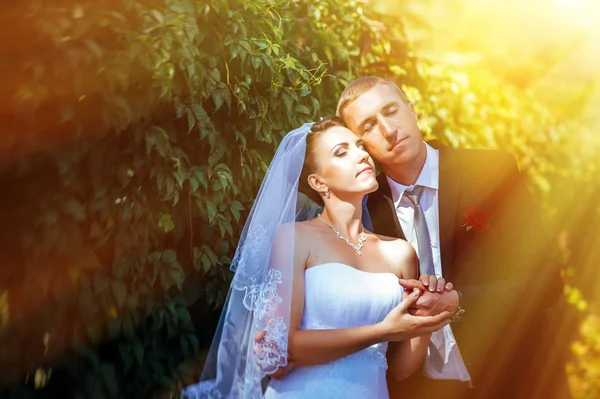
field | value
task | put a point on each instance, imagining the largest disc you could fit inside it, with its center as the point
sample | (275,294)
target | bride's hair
(310,162)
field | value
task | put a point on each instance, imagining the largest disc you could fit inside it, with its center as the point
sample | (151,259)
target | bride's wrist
(381,332)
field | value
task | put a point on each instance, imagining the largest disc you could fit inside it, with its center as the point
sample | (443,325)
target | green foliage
(138,134)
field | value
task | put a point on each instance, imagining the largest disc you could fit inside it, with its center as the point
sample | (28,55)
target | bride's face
(344,165)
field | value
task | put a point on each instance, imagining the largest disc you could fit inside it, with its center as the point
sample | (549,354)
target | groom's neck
(405,173)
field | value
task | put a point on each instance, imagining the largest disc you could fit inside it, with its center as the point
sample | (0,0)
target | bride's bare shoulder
(397,243)
(307,226)
(300,230)
(400,255)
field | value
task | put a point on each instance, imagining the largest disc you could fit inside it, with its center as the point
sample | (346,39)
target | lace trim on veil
(261,297)
(237,363)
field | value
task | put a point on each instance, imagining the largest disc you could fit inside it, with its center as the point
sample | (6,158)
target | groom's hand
(427,283)
(438,296)
(433,303)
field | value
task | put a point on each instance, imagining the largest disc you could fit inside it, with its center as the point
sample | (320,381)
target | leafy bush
(137,135)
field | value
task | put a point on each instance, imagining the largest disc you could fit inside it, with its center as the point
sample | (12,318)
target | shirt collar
(429,176)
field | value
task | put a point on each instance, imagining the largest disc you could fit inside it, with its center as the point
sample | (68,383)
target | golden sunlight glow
(551,49)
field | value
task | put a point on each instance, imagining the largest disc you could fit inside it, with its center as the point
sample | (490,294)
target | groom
(471,220)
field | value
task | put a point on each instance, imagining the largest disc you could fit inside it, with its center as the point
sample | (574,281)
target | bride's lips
(365,169)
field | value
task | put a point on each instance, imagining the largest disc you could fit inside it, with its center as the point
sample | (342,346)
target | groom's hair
(360,86)
(311,165)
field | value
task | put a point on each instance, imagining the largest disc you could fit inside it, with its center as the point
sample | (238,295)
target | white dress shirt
(454,366)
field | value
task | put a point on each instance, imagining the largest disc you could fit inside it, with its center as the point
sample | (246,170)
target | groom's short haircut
(360,86)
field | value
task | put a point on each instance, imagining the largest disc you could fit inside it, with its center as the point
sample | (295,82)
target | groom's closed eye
(368,125)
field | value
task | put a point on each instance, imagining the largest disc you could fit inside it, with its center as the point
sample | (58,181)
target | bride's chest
(340,296)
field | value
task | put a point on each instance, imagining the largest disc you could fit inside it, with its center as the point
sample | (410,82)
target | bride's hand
(400,325)
(281,371)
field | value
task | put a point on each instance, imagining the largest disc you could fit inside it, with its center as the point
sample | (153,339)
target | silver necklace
(361,239)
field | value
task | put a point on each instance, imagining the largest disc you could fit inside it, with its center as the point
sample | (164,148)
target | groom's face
(386,124)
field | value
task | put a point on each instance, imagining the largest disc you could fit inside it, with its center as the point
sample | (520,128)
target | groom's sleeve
(516,258)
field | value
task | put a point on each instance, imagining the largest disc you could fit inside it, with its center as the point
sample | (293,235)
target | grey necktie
(425,257)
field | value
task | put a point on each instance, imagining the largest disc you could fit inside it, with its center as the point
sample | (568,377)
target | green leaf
(246,45)
(191,120)
(206,263)
(215,74)
(211,211)
(287,100)
(169,256)
(184,315)
(201,178)
(218,99)
(200,114)
(217,154)
(165,281)
(213,258)
(255,62)
(303,109)
(177,277)
(235,208)
(194,183)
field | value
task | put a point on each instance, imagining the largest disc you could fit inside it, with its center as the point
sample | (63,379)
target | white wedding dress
(340,296)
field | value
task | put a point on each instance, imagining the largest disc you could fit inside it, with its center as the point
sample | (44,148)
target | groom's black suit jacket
(503,272)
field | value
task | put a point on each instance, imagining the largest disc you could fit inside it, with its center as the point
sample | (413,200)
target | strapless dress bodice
(339,296)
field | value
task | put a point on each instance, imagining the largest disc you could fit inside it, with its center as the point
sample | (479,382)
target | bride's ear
(317,184)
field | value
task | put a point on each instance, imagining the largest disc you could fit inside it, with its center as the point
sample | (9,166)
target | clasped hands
(436,295)
(427,305)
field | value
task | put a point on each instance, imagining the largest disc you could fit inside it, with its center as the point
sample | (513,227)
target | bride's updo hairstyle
(310,160)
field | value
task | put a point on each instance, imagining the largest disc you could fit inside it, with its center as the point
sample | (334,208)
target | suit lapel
(386,211)
(449,194)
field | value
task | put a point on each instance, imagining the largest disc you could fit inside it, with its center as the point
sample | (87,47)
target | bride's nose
(363,156)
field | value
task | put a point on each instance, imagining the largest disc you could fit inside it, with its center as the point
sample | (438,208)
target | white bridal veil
(260,293)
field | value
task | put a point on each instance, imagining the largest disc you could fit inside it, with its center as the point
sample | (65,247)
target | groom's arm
(513,259)
(506,273)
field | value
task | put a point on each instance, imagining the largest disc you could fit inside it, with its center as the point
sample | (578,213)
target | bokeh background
(134,136)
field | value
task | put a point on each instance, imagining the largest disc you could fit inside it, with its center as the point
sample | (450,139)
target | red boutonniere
(476,219)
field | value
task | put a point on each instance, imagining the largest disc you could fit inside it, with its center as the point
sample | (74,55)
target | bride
(321,292)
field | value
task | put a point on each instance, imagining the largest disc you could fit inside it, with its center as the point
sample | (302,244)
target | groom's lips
(399,141)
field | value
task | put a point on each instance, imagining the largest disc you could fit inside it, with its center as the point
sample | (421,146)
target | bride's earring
(327,192)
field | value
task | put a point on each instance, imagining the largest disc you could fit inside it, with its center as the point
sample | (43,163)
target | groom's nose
(387,129)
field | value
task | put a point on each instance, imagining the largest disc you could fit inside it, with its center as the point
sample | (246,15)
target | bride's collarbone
(328,251)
